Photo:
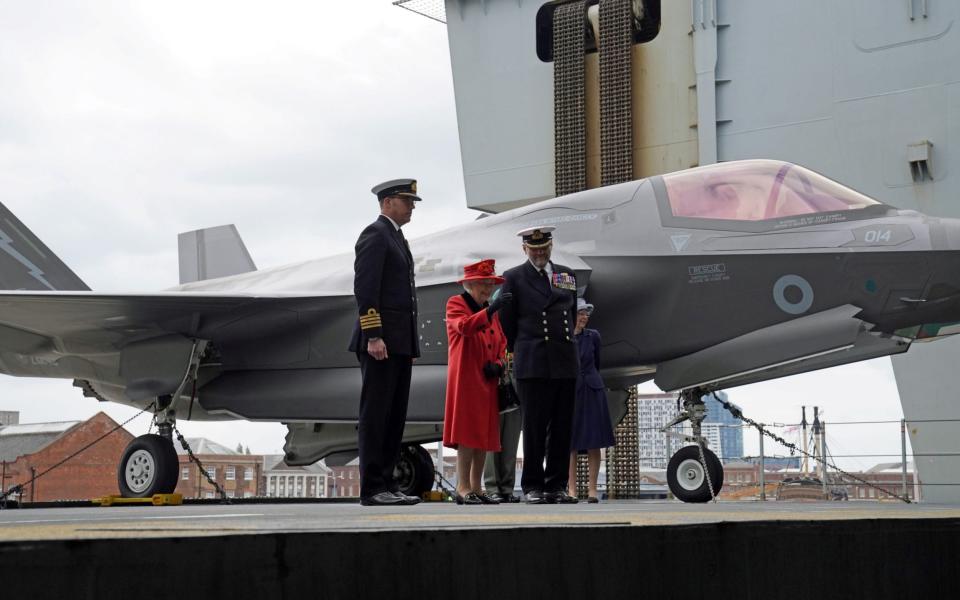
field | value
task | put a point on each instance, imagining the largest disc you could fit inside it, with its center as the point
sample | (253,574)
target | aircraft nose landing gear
(694,473)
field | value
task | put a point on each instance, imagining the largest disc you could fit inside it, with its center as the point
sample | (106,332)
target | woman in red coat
(476,347)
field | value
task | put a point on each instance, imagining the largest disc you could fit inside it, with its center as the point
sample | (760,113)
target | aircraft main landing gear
(414,471)
(694,473)
(149,464)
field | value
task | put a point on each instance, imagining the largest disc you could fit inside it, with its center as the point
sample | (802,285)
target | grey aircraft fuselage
(782,283)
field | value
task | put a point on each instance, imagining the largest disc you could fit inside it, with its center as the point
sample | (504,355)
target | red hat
(481,270)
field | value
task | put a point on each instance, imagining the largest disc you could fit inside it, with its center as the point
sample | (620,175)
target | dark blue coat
(385,291)
(591,416)
(539,323)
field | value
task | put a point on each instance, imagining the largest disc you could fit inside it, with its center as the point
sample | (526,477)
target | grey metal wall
(504,98)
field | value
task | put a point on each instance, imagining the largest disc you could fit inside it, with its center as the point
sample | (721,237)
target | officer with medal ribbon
(539,326)
(385,339)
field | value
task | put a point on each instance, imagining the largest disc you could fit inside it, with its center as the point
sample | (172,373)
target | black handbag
(507,398)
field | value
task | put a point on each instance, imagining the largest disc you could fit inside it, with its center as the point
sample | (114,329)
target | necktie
(543,274)
(405,244)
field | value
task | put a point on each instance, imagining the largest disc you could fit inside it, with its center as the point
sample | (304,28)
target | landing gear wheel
(414,471)
(686,478)
(149,466)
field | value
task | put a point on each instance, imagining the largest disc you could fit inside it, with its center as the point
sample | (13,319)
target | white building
(284,481)
(653,412)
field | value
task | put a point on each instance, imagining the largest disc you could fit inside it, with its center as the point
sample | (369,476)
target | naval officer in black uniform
(385,340)
(539,327)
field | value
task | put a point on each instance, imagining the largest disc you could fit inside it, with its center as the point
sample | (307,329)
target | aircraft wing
(816,341)
(143,342)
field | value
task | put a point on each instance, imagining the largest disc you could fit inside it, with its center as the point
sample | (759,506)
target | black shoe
(593,500)
(382,499)
(513,498)
(534,497)
(472,498)
(487,498)
(500,498)
(407,500)
(560,497)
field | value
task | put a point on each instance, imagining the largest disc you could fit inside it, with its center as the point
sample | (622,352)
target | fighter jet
(707,278)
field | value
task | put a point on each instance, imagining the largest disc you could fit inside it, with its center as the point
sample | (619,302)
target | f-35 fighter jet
(708,278)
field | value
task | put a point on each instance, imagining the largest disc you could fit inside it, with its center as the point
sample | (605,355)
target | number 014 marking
(872,236)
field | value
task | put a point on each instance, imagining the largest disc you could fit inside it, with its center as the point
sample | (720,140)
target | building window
(212,472)
(185,473)
(208,495)
(231,473)
(248,474)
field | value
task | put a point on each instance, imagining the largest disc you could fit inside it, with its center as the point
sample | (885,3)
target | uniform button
(545,330)
(544,313)
(544,321)
(546,337)
(568,338)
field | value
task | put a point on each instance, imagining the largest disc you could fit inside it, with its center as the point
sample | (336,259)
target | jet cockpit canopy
(757,190)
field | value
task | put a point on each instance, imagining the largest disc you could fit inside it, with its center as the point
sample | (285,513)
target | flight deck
(635,548)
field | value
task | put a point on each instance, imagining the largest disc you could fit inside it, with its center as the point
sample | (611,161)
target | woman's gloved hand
(499,302)
(492,370)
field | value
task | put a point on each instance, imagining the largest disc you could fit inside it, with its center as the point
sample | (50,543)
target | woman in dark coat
(476,347)
(592,429)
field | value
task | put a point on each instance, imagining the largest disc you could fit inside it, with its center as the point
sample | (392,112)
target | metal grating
(569,120)
(432,9)
(623,460)
(616,123)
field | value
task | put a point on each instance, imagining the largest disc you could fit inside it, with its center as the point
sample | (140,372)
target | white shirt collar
(547,267)
(395,226)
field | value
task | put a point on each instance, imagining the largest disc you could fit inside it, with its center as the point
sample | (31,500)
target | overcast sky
(125,123)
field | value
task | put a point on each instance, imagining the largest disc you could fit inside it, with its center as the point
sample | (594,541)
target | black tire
(685,475)
(414,471)
(149,466)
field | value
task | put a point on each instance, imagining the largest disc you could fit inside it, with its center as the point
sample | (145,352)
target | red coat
(471,416)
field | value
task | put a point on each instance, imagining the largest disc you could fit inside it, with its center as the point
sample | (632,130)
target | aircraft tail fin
(211,253)
(26,263)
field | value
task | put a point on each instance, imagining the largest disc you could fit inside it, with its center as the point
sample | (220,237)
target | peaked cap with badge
(405,188)
(537,237)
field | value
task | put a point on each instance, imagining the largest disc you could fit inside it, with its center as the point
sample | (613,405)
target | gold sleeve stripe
(370,326)
(370,319)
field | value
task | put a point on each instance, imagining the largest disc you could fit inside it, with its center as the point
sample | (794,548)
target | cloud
(122,125)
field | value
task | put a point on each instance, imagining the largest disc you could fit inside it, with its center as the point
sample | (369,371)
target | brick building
(26,450)
(238,474)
